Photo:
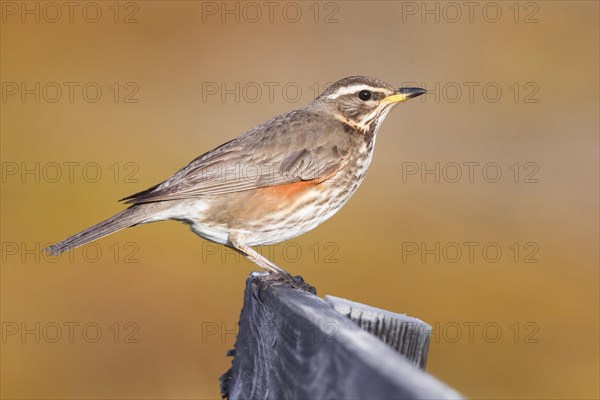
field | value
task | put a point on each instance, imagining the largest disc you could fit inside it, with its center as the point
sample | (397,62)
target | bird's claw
(297,282)
(261,282)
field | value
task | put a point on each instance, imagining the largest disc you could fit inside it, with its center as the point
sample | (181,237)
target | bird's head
(362,102)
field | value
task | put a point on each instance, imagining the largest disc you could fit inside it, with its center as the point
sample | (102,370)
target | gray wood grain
(293,345)
(407,335)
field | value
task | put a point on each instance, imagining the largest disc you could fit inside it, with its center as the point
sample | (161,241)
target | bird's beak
(404,94)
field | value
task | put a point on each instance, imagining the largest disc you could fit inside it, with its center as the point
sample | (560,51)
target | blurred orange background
(104,99)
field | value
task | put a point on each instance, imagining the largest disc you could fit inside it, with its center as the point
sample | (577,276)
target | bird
(274,182)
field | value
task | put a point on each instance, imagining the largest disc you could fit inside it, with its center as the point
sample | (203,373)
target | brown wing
(298,146)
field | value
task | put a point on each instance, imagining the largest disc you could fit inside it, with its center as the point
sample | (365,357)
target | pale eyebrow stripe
(352,89)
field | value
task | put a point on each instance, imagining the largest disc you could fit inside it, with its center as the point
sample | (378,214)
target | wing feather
(293,147)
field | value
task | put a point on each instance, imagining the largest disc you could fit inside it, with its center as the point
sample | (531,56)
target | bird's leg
(237,241)
(276,274)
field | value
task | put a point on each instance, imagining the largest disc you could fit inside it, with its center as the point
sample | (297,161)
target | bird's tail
(134,215)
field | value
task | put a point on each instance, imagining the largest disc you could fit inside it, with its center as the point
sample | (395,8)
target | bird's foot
(261,282)
(297,282)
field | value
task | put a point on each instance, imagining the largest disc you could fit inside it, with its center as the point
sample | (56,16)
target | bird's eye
(365,95)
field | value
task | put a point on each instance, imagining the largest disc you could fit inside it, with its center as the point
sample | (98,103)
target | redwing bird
(274,182)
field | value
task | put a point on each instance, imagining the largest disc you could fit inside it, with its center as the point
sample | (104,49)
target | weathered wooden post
(293,345)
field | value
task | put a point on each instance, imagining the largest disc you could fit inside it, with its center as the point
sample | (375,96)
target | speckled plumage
(274,182)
